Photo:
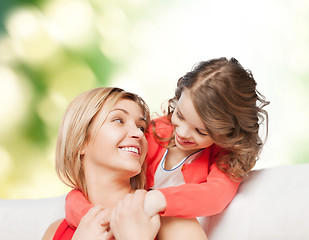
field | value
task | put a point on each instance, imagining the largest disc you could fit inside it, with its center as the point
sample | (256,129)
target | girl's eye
(199,132)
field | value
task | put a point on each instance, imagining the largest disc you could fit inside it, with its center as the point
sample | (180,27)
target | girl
(204,145)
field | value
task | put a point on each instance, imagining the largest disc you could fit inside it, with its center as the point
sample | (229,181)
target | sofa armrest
(270,204)
(28,219)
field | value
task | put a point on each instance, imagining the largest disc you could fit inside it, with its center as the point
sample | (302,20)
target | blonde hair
(225,96)
(74,133)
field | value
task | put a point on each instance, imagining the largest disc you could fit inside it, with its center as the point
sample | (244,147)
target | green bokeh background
(52,50)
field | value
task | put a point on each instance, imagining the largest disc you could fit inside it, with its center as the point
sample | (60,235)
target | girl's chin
(182,147)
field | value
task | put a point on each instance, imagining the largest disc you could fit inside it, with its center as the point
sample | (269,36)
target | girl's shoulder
(161,126)
(216,152)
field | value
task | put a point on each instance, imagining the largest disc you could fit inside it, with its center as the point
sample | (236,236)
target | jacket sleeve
(76,206)
(200,199)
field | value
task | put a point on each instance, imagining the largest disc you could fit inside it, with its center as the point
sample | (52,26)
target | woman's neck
(106,191)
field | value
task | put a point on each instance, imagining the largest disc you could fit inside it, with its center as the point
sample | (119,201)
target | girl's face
(190,133)
(120,144)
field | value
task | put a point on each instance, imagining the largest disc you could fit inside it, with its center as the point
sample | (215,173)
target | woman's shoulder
(51,230)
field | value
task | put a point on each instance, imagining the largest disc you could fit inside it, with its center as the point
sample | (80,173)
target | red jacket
(207,190)
(64,231)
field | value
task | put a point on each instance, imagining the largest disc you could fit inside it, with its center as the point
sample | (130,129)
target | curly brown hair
(225,96)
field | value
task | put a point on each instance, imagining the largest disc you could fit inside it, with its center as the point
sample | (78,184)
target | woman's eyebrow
(119,109)
(127,113)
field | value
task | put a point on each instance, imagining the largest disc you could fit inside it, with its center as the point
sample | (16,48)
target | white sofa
(271,204)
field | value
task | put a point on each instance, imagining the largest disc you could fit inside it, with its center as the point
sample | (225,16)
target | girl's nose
(183,130)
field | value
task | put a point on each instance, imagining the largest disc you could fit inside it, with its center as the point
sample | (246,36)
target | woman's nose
(136,132)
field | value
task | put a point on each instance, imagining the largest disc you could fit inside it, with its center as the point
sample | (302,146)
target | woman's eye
(118,120)
(142,128)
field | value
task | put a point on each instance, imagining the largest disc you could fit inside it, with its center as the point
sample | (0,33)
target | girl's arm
(76,206)
(192,200)
(171,228)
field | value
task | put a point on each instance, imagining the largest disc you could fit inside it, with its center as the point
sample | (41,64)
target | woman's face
(120,144)
(190,133)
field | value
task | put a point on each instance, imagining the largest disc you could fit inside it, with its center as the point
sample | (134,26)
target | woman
(100,151)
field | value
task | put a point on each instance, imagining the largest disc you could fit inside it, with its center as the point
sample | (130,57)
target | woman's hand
(129,221)
(94,225)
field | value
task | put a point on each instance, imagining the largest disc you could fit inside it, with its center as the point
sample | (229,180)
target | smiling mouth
(131,149)
(183,141)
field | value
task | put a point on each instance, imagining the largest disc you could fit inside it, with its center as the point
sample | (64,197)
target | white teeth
(130,149)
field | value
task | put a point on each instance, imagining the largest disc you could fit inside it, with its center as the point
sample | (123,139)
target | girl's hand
(154,202)
(129,221)
(94,225)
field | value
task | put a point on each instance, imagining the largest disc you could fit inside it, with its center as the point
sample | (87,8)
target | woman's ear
(83,151)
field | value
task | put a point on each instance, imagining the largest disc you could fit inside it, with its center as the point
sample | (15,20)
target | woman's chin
(134,170)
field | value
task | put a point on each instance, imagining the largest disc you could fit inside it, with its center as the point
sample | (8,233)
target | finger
(108,235)
(139,197)
(123,204)
(104,229)
(104,217)
(115,211)
(120,209)
(155,220)
(93,212)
